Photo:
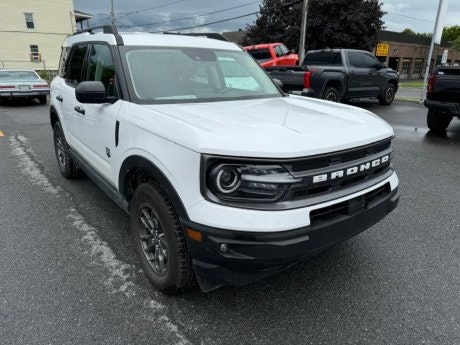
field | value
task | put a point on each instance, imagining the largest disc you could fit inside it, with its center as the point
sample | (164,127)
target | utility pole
(112,13)
(430,54)
(303,29)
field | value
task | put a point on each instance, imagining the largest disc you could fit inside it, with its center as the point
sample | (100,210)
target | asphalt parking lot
(69,273)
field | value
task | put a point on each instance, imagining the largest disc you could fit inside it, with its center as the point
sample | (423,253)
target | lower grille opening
(348,207)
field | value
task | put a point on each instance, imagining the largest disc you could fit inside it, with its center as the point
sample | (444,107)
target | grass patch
(417,84)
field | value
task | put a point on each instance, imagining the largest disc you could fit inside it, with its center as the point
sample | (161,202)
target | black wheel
(437,121)
(160,241)
(388,95)
(66,164)
(42,99)
(331,94)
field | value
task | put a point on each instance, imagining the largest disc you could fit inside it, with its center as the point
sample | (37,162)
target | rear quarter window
(323,58)
(260,54)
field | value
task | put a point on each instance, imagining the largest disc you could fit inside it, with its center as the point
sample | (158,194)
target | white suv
(225,178)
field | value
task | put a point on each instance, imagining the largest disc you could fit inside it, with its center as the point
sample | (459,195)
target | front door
(361,78)
(95,124)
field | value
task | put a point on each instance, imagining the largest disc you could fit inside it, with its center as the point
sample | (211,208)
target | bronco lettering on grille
(351,170)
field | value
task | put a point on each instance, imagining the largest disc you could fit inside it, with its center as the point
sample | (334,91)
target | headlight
(250,183)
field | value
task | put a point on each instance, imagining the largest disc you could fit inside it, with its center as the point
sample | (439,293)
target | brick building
(408,53)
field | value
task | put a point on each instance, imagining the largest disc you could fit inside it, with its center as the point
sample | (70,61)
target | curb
(414,100)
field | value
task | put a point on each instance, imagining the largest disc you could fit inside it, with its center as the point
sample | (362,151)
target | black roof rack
(106,29)
(212,35)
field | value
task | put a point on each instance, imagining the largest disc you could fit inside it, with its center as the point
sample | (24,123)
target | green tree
(451,33)
(330,23)
(409,31)
(456,43)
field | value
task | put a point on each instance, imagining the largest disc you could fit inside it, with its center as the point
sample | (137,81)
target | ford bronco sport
(226,179)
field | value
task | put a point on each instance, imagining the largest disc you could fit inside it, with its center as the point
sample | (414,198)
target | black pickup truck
(443,97)
(339,75)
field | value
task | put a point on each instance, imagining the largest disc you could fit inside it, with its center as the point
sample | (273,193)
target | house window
(29,20)
(418,68)
(34,53)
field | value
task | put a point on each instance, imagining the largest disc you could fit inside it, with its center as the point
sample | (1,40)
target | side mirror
(278,83)
(293,51)
(93,92)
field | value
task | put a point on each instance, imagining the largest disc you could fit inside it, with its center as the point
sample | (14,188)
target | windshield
(18,75)
(183,75)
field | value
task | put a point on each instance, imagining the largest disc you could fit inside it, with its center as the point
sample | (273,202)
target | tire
(42,99)
(437,121)
(331,94)
(65,162)
(159,240)
(388,95)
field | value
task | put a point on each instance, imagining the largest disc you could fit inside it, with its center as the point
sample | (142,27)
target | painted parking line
(1,134)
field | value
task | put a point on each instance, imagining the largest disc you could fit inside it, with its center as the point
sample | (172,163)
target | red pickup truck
(272,54)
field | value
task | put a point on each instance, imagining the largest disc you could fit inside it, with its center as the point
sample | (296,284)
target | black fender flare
(137,162)
(334,78)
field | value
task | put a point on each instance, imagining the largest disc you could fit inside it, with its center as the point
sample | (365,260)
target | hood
(285,127)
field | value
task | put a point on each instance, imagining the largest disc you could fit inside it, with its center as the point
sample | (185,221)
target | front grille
(331,159)
(346,208)
(325,166)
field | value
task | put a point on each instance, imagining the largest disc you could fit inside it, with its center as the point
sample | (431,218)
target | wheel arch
(334,81)
(54,117)
(136,169)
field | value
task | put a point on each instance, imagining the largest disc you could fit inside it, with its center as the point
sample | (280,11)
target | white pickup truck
(226,179)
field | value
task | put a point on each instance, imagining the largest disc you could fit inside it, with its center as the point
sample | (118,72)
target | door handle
(80,110)
(59,98)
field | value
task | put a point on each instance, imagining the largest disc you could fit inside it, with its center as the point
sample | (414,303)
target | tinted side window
(355,60)
(370,61)
(260,55)
(284,50)
(62,62)
(323,58)
(74,66)
(278,51)
(101,67)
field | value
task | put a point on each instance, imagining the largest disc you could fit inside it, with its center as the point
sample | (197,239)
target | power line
(192,17)
(403,15)
(125,14)
(210,23)
(420,19)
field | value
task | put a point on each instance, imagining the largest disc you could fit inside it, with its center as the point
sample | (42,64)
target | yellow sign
(382,49)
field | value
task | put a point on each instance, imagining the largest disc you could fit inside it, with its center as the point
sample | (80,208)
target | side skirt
(100,181)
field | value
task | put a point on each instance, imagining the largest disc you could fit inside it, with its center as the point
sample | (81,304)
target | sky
(163,15)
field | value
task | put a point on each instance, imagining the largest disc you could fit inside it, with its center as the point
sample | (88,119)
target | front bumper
(452,108)
(226,257)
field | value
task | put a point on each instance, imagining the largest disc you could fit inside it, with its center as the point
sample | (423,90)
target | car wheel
(438,121)
(66,164)
(388,94)
(42,99)
(331,94)
(159,240)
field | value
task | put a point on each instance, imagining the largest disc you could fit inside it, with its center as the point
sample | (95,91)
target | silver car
(15,83)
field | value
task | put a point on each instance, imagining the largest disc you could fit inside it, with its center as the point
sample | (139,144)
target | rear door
(95,124)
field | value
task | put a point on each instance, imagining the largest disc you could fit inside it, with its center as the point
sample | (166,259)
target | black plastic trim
(250,256)
(117,132)
(138,162)
(452,108)
(100,181)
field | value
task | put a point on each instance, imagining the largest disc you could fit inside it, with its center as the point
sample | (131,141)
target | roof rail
(212,35)
(106,29)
